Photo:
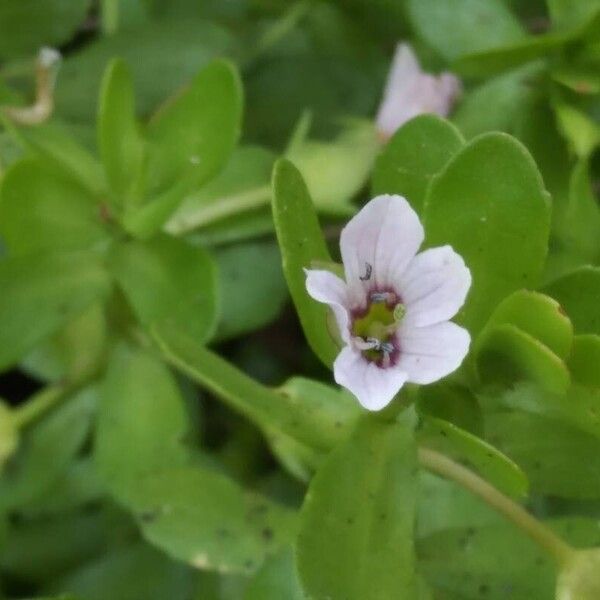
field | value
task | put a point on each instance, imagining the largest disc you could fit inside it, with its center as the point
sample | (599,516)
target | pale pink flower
(410,92)
(393,308)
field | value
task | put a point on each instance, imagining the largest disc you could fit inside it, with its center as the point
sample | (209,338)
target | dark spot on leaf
(267,534)
(148,516)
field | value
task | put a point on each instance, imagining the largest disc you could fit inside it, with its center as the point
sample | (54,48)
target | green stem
(225,207)
(536,530)
(40,403)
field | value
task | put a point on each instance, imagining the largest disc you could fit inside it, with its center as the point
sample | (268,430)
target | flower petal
(430,353)
(378,244)
(328,288)
(373,386)
(434,286)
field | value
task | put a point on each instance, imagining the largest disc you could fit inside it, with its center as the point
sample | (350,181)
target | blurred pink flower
(410,92)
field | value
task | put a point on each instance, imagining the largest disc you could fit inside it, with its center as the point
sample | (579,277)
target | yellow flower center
(378,326)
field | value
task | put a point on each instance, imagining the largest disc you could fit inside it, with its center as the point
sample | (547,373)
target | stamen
(381,297)
(369,344)
(387,347)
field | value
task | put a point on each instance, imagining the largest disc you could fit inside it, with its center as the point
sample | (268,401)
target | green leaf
(578,293)
(43,208)
(313,414)
(491,61)
(189,139)
(192,512)
(140,407)
(582,218)
(468,449)
(73,353)
(581,132)
(39,549)
(481,561)
(328,64)
(241,187)
(584,360)
(176,49)
(443,504)
(506,354)
(134,571)
(356,531)
(194,133)
(559,459)
(332,411)
(301,242)
(45,450)
(458,27)
(78,486)
(336,171)
(580,79)
(401,170)
(499,103)
(499,226)
(119,140)
(276,579)
(568,13)
(538,315)
(168,282)
(27,25)
(579,407)
(202,517)
(40,293)
(249,302)
(55,144)
(452,403)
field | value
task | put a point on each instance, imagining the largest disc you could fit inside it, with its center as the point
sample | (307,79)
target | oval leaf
(498,223)
(119,140)
(44,208)
(40,293)
(400,169)
(356,530)
(168,282)
(463,446)
(301,242)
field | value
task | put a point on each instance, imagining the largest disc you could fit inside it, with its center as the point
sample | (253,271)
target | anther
(381,297)
(399,312)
